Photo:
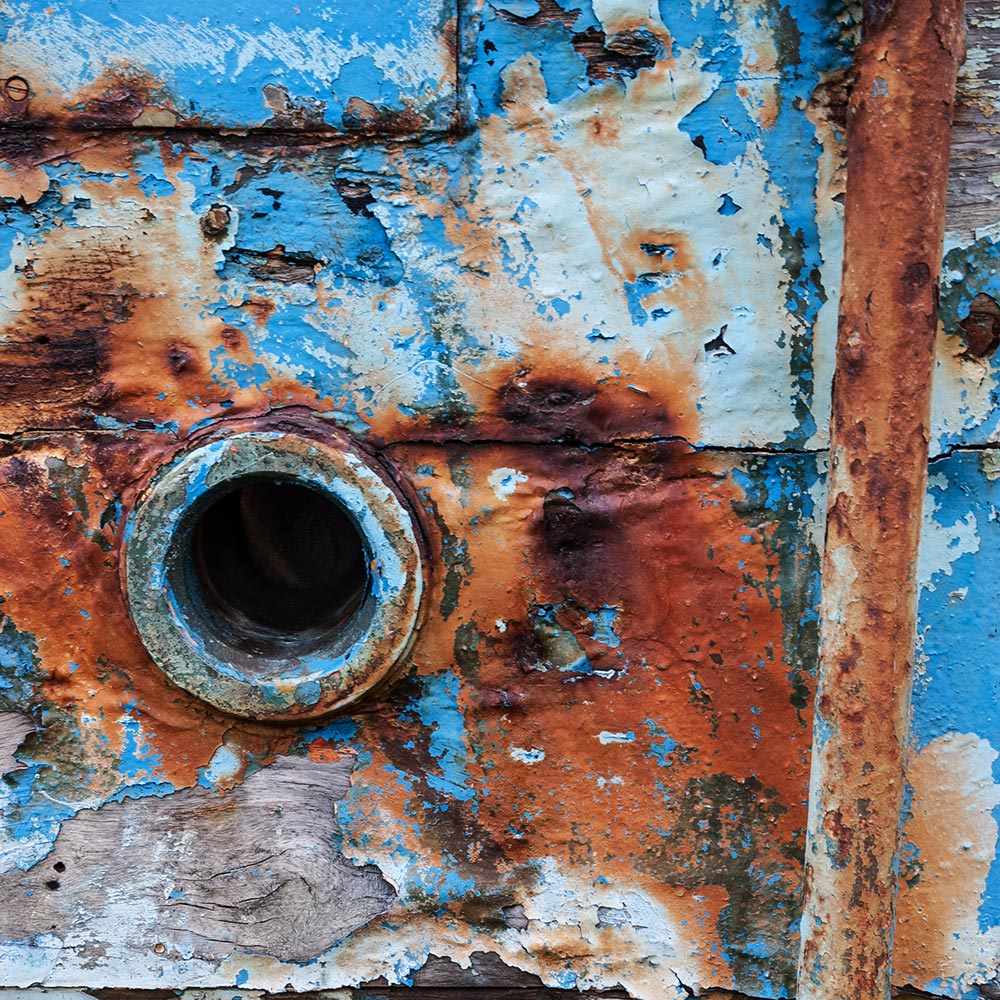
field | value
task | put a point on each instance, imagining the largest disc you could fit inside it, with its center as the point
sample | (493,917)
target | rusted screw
(982,327)
(215,221)
(16,89)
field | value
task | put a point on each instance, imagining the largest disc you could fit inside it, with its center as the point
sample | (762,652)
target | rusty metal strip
(898,136)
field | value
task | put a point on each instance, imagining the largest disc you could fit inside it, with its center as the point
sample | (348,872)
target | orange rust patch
(59,565)
(322,752)
(105,318)
(120,96)
(679,733)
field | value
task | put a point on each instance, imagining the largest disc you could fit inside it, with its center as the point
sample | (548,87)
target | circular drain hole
(273,575)
(278,560)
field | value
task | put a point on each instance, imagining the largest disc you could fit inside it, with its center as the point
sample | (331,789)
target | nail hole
(52,884)
(278,560)
(59,867)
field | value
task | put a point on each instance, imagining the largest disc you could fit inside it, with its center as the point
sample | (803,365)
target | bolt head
(215,222)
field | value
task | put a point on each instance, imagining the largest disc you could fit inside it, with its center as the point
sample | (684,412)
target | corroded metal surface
(231,640)
(346,68)
(588,325)
(585,771)
(898,131)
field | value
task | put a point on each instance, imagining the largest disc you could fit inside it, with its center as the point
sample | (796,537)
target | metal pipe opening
(280,560)
(273,574)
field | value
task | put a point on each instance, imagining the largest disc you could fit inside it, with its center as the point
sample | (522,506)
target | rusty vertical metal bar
(898,137)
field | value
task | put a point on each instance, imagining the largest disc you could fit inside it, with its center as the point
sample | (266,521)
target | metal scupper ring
(184,554)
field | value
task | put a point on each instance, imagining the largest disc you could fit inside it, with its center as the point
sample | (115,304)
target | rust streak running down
(899,128)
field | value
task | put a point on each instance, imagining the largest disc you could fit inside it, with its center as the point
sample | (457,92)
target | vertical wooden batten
(898,137)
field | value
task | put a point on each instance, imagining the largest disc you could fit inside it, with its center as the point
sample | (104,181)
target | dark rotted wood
(484,970)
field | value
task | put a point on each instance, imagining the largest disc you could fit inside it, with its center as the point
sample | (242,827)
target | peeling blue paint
(217,68)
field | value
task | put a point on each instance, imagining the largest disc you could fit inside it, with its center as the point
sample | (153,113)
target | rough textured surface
(590,325)
(557,269)
(564,777)
(259,873)
(13,729)
(898,138)
(333,67)
(972,187)
(950,837)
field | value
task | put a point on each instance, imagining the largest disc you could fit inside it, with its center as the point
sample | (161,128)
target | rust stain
(120,96)
(899,124)
(608,619)
(694,647)
(106,321)
(568,721)
(953,830)
(981,327)
(67,496)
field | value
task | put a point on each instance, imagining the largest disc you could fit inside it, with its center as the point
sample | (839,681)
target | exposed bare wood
(14,727)
(974,184)
(254,871)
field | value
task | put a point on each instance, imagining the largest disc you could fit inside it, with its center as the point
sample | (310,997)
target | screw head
(216,221)
(16,89)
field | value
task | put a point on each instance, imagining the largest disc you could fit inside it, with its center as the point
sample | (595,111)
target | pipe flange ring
(272,575)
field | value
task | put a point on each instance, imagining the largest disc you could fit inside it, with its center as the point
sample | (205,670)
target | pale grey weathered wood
(974,183)
(256,870)
(14,728)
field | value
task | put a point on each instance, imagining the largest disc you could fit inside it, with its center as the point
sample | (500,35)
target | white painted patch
(223,767)
(504,481)
(530,756)
(606,737)
(952,826)
(942,544)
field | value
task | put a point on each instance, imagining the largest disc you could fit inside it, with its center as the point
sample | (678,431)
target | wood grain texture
(14,727)
(257,870)
(974,181)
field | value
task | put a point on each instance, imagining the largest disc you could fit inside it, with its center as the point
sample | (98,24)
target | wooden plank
(974,181)
(256,871)
(14,727)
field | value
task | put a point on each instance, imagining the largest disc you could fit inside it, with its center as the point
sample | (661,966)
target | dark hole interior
(276,556)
